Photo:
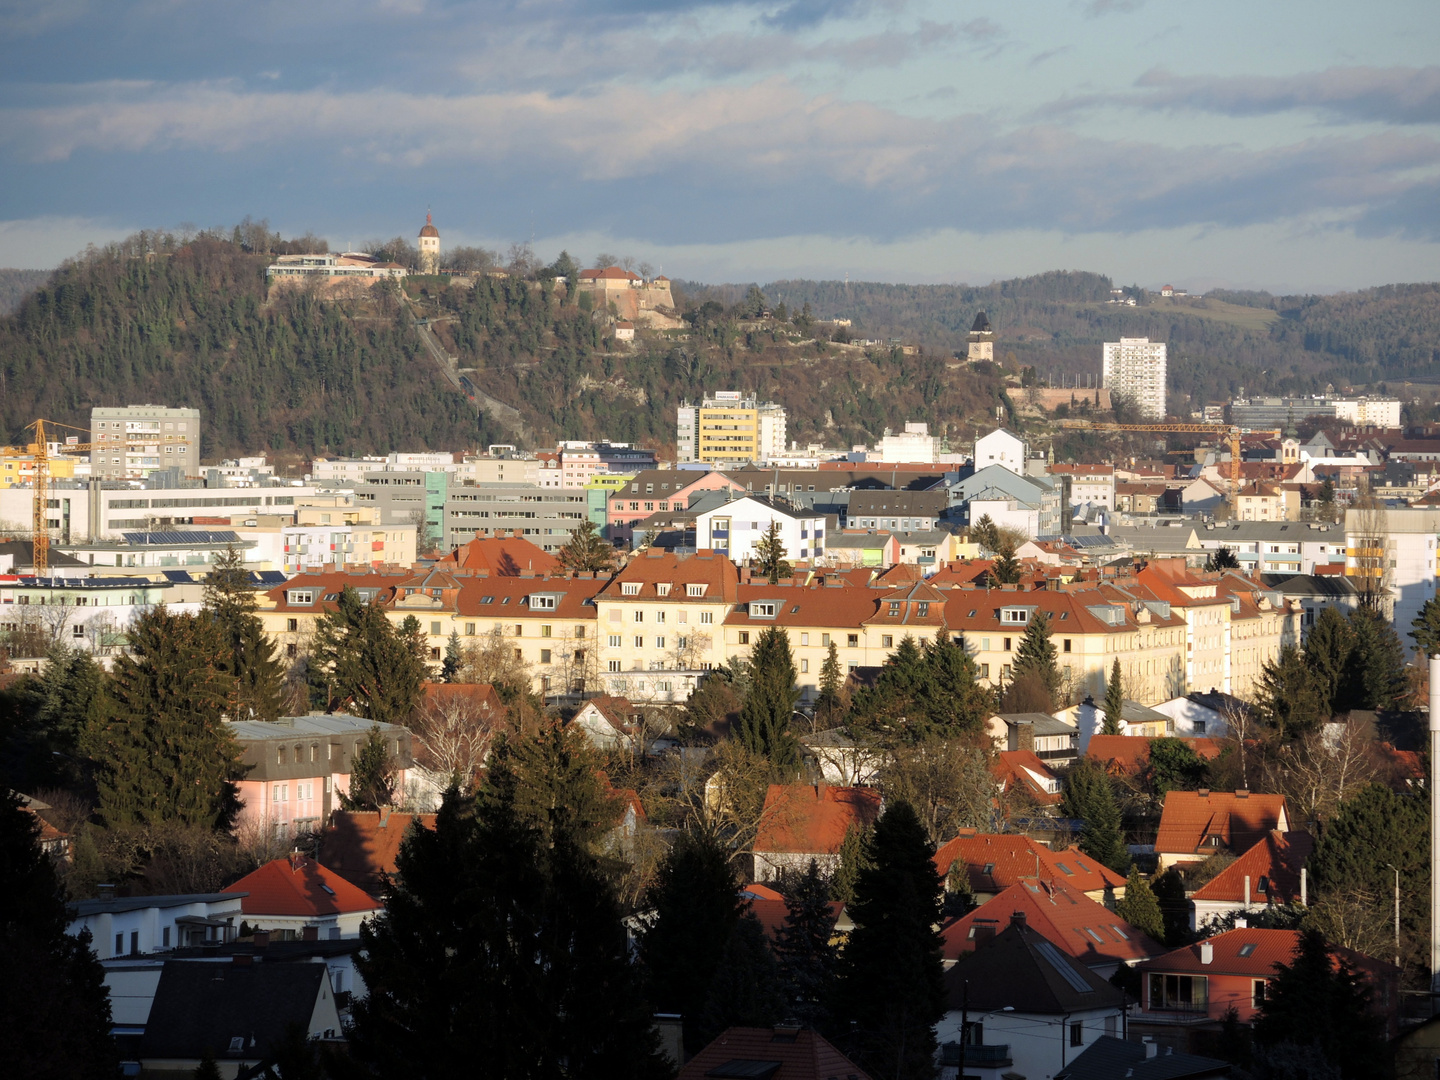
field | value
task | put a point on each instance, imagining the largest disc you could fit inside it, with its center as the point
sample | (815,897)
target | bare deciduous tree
(453,733)
(1320,770)
(948,782)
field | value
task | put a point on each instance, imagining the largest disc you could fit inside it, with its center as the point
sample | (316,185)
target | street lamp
(1397,913)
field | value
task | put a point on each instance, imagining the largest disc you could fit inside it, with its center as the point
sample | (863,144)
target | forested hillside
(193,327)
(15,285)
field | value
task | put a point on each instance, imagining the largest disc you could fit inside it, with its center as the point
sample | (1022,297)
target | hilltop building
(630,298)
(1134,368)
(429,245)
(345,264)
(982,340)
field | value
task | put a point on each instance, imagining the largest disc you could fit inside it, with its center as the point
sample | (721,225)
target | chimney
(1017,920)
(1247,892)
(262,939)
(984,933)
(1152,1049)
(1203,792)
(1241,922)
(1207,952)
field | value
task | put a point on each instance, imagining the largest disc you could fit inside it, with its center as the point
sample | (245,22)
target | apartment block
(1134,368)
(545,516)
(133,441)
(730,429)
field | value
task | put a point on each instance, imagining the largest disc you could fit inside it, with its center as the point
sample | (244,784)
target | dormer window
(1015,616)
(762,609)
(301,597)
(542,602)
(694,590)
(663,589)
(894,607)
(922,608)
(629,588)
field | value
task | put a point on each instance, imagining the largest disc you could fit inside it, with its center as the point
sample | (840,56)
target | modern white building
(1003,448)
(914,444)
(1396,549)
(133,441)
(736,527)
(138,925)
(1134,368)
(1368,411)
(770,425)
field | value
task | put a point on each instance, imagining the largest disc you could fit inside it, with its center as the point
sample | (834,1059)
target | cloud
(41,243)
(982,30)
(1394,95)
(1097,8)
(1049,54)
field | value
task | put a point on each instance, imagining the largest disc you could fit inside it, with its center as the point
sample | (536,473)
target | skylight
(1247,948)
(1119,933)
(1056,960)
(1066,869)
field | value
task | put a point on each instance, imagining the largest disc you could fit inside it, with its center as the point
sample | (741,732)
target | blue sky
(1281,145)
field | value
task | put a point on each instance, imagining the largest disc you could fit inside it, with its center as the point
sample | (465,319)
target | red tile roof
(1084,928)
(1261,949)
(298,885)
(802,1054)
(482,697)
(653,567)
(768,906)
(361,847)
(802,819)
(1202,822)
(1014,768)
(1130,755)
(610,273)
(995,861)
(1273,867)
(500,555)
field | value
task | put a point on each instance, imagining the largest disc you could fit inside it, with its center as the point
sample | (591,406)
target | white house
(139,925)
(296,898)
(737,526)
(1001,447)
(1203,716)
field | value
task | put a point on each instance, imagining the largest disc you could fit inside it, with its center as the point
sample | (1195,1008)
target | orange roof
(1019,767)
(768,905)
(1249,951)
(1273,867)
(297,885)
(1130,755)
(501,555)
(653,567)
(482,697)
(995,861)
(361,846)
(801,1054)
(610,273)
(803,820)
(1085,929)
(620,712)
(1202,822)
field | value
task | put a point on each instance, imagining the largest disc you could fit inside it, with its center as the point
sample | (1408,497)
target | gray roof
(24,553)
(1248,531)
(1043,723)
(288,727)
(1132,712)
(928,503)
(1108,1057)
(857,540)
(115,906)
(998,482)
(1328,587)
(200,1004)
(1021,970)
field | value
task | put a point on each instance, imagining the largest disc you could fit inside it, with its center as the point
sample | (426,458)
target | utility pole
(1397,913)
(1434,827)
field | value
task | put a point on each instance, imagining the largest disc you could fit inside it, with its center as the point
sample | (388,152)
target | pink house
(300,765)
(657,491)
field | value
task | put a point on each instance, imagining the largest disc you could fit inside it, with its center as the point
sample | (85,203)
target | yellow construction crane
(1229,432)
(40,450)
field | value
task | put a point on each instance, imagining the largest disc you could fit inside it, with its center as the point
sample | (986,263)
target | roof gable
(297,885)
(1201,822)
(1083,928)
(812,820)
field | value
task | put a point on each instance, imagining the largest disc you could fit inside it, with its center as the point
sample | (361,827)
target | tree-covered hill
(15,285)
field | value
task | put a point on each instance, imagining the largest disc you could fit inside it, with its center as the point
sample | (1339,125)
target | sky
(1292,146)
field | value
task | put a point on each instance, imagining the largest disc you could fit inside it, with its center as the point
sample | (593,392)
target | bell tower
(429,247)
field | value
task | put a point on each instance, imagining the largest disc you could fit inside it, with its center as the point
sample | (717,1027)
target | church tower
(429,247)
(982,340)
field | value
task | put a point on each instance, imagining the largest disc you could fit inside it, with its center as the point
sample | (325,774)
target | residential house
(1270,873)
(897,511)
(140,925)
(1195,986)
(1081,927)
(801,822)
(298,767)
(1125,755)
(1196,824)
(1311,594)
(1034,505)
(1023,1006)
(239,1013)
(1002,448)
(610,723)
(1136,720)
(662,490)
(500,554)
(1205,716)
(1021,775)
(1206,615)
(993,862)
(1055,742)
(299,898)
(842,759)
(783,1052)
(362,845)
(661,623)
(1091,486)
(855,548)
(1269,547)
(1108,1057)
(735,528)
(1259,501)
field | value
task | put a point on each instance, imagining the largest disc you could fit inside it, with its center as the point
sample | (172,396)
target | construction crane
(1229,432)
(40,450)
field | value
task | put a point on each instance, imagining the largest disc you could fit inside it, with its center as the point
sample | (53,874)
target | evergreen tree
(48,715)
(161,751)
(1005,570)
(952,698)
(697,905)
(230,600)
(1174,766)
(986,533)
(1222,558)
(1140,908)
(450,669)
(746,990)
(1036,655)
(1375,669)
(1327,653)
(363,662)
(208,1069)
(497,947)
(890,993)
(893,712)
(827,704)
(52,995)
(1288,696)
(587,551)
(1425,627)
(1090,797)
(764,726)
(854,860)
(1114,702)
(1320,1002)
(770,555)
(802,945)
(372,775)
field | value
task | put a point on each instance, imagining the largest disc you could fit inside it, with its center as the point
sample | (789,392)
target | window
(852,640)
(1077,1033)
(292,625)
(435,629)
(660,616)
(825,640)
(119,944)
(1179,993)
(804,639)
(1257,994)
(894,607)
(707,617)
(639,641)
(1248,948)
(659,643)
(519,630)
(280,756)
(1066,644)
(804,667)
(762,610)
(984,671)
(469,629)
(1006,647)
(744,637)
(280,793)
(614,665)
(545,631)
(886,641)
(542,603)
(629,588)
(77,631)
(639,616)
(580,633)
(613,641)
(545,656)
(165,937)
(694,590)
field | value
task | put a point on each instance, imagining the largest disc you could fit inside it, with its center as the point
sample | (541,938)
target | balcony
(981,1056)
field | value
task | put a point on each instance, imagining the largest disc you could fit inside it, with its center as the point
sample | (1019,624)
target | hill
(15,285)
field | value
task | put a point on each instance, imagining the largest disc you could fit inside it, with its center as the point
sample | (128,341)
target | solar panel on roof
(177,576)
(1056,960)
(193,536)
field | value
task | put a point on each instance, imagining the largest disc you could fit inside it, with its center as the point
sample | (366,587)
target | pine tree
(986,534)
(746,990)
(954,702)
(803,947)
(1140,908)
(1174,766)
(1425,627)
(854,860)
(497,947)
(450,670)
(52,995)
(696,904)
(1090,797)
(1222,558)
(890,992)
(363,662)
(162,752)
(770,555)
(1288,696)
(587,551)
(372,775)
(1321,1002)
(208,1069)
(1375,669)
(51,713)
(1327,652)
(1005,570)
(1114,702)
(230,600)
(827,704)
(764,726)
(893,711)
(1036,655)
